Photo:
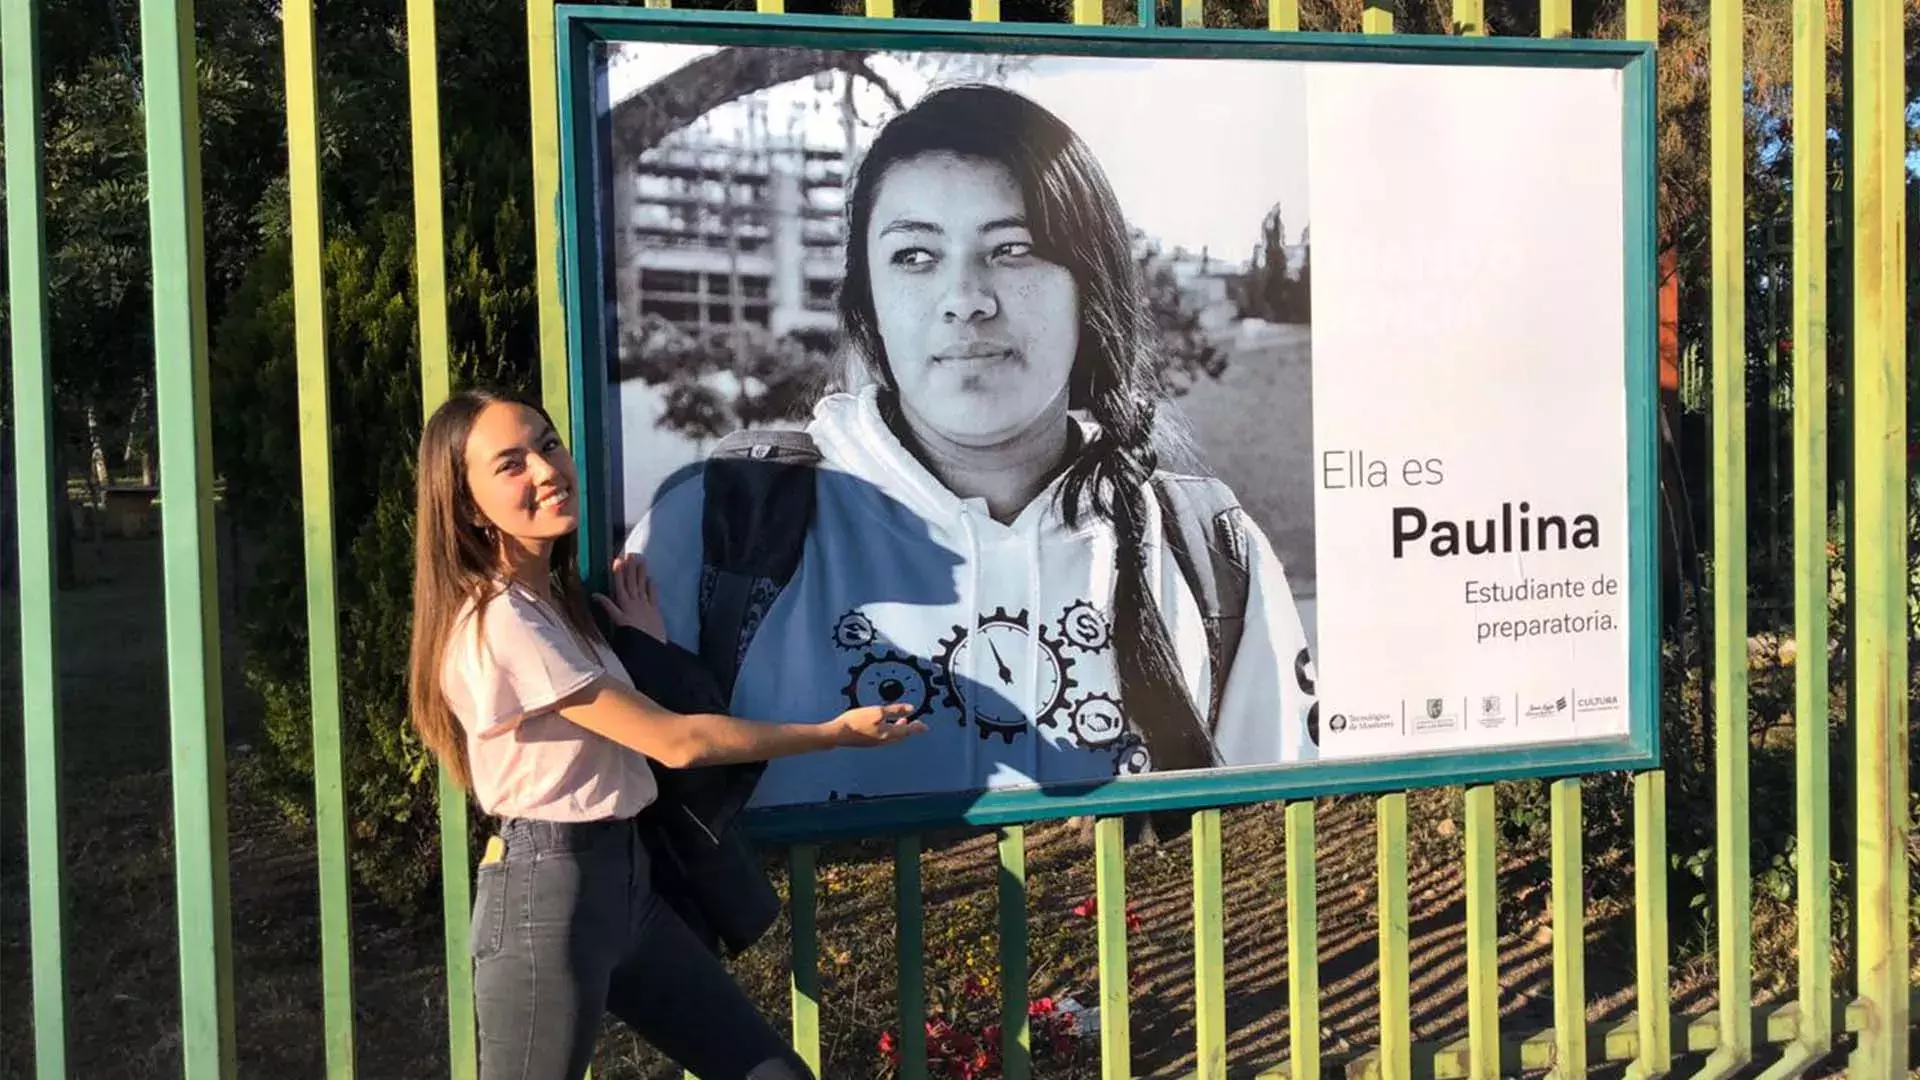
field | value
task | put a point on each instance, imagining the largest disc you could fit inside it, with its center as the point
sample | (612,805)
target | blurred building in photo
(725,230)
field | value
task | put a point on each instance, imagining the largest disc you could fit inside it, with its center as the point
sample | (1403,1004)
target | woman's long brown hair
(456,561)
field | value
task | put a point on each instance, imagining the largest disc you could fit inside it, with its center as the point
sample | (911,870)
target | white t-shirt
(510,661)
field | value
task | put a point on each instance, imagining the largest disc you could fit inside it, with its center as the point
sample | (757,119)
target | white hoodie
(1000,633)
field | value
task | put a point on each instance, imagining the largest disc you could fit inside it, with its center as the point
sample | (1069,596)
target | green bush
(374,384)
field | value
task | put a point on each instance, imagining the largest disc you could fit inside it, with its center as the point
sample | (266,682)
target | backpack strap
(1207,531)
(759,498)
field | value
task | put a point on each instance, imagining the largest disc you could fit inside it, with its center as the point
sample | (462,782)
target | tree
(98,269)
(374,382)
(1270,289)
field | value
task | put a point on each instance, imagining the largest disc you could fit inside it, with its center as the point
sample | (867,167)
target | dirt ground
(122,1008)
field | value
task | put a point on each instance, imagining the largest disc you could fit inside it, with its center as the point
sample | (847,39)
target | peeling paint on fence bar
(1882,715)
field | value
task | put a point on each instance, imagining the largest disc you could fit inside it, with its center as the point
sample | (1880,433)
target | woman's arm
(681,740)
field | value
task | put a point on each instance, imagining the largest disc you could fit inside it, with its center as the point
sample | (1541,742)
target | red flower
(1084,909)
(1040,1006)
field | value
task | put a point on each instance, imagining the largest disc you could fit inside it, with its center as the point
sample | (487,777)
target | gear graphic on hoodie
(1002,670)
(889,677)
(1131,758)
(1097,720)
(1084,627)
(854,631)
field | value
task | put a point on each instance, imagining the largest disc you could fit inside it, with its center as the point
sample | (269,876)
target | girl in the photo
(521,700)
(993,538)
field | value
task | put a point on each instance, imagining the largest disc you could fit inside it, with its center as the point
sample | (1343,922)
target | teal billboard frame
(581,30)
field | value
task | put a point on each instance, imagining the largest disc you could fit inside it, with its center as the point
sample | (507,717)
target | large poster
(1234,420)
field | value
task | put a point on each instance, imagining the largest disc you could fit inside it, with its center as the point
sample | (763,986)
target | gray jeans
(567,928)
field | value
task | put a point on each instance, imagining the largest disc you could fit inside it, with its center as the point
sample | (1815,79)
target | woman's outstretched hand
(875,725)
(633,603)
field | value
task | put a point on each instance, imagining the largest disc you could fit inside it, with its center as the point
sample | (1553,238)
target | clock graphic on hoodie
(987,671)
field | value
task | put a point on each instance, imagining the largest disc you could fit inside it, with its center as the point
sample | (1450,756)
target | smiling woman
(993,540)
(522,700)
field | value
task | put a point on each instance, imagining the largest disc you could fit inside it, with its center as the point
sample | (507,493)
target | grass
(123,998)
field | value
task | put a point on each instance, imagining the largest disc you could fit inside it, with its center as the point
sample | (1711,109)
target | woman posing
(519,697)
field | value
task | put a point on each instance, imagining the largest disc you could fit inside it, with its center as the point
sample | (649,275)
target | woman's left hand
(633,603)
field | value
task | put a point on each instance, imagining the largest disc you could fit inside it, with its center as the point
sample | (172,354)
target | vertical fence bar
(1811,710)
(1283,14)
(1209,950)
(879,9)
(1016,1039)
(1470,18)
(1652,992)
(543,81)
(1376,16)
(430,290)
(1303,946)
(1483,936)
(770,7)
(1192,13)
(1087,13)
(39,495)
(1879,548)
(1569,936)
(1396,1012)
(909,906)
(429,231)
(1110,898)
(1643,20)
(1569,907)
(186,514)
(803,909)
(1556,18)
(316,503)
(1726,136)
(984,10)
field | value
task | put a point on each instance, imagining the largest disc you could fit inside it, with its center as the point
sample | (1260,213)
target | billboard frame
(580,29)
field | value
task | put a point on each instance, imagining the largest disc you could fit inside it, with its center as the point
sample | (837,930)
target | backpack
(759,504)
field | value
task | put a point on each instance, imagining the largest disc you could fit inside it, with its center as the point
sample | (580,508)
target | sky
(1197,150)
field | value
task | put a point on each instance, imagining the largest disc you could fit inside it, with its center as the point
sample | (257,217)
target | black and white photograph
(977,382)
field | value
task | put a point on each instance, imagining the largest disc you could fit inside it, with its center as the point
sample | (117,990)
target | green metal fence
(1737,1036)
